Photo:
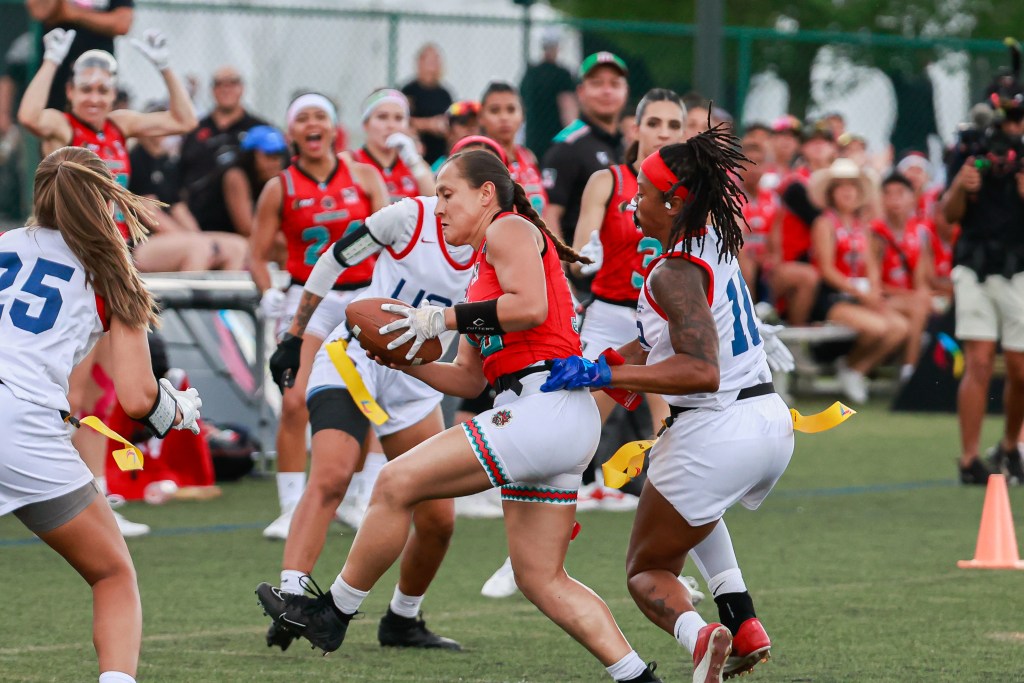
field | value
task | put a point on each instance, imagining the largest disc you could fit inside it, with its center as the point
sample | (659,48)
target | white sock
(729,581)
(291,581)
(347,598)
(115,677)
(101,482)
(289,489)
(407,606)
(626,668)
(715,553)
(371,468)
(687,629)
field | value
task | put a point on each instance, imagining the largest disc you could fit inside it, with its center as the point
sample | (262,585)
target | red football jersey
(556,337)
(398,179)
(314,215)
(110,145)
(796,235)
(851,247)
(760,213)
(524,171)
(902,253)
(627,253)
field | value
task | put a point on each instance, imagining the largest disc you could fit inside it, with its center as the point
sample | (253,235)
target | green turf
(852,563)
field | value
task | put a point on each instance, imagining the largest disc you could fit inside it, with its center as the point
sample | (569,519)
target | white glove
(189,404)
(406,147)
(57,43)
(595,252)
(154,46)
(779,357)
(422,324)
(272,303)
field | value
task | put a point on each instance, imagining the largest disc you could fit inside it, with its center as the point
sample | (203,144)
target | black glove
(284,362)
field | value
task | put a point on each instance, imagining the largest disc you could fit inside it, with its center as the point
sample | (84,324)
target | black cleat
(646,677)
(975,473)
(396,631)
(1008,462)
(314,618)
(279,636)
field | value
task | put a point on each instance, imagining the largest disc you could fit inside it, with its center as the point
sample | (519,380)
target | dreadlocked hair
(706,166)
(478,167)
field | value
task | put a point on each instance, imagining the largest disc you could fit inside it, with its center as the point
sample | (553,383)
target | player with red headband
(318,199)
(729,436)
(518,316)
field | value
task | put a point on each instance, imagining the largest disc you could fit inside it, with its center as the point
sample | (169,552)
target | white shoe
(130,529)
(278,529)
(351,511)
(483,505)
(691,586)
(853,383)
(615,500)
(502,583)
(589,496)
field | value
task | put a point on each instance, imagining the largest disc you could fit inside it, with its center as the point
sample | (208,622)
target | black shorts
(480,404)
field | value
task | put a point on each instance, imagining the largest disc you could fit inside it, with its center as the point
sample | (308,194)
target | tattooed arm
(680,288)
(307,306)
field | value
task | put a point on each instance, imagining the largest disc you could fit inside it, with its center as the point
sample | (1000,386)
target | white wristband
(161,416)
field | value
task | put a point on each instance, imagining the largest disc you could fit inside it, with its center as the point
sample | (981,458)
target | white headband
(383,97)
(308,100)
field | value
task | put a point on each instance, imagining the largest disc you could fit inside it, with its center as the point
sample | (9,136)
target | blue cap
(266,139)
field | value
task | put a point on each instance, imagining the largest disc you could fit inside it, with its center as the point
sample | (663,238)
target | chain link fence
(908,92)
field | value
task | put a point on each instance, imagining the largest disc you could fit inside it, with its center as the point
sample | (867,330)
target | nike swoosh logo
(291,623)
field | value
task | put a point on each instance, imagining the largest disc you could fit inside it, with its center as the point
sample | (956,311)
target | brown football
(365,318)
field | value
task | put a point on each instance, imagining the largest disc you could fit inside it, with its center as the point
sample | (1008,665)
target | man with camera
(986,196)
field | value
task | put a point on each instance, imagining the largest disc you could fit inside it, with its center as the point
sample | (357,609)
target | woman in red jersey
(851,290)
(313,202)
(501,117)
(390,148)
(518,316)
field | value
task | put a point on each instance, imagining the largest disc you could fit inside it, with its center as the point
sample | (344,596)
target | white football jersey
(416,266)
(741,358)
(50,317)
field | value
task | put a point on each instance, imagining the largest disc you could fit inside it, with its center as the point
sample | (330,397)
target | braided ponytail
(525,209)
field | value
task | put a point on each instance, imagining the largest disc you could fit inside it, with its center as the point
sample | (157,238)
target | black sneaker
(279,636)
(314,618)
(975,473)
(396,631)
(646,677)
(1008,462)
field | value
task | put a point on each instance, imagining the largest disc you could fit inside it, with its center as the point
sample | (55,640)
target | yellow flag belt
(628,461)
(128,458)
(337,351)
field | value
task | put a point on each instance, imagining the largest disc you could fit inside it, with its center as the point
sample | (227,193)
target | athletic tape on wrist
(161,416)
(337,351)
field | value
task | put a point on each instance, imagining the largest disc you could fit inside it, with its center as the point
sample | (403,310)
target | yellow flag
(129,458)
(834,415)
(336,350)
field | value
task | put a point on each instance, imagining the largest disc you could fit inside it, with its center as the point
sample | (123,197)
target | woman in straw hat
(851,291)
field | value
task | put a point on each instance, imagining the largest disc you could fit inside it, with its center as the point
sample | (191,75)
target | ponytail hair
(707,166)
(73,194)
(478,167)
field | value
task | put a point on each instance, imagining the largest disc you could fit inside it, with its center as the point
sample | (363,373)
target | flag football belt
(337,351)
(628,461)
(512,382)
(762,389)
(127,458)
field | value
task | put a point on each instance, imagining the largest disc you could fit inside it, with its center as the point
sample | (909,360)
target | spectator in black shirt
(549,97)
(428,102)
(96,25)
(264,155)
(213,147)
(589,144)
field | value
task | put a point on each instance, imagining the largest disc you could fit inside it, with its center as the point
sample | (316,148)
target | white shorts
(327,316)
(37,460)
(709,460)
(606,325)
(535,446)
(992,310)
(405,399)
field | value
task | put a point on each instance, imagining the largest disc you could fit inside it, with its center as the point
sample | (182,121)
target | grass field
(851,562)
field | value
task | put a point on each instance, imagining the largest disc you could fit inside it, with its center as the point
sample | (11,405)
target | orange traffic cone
(997,542)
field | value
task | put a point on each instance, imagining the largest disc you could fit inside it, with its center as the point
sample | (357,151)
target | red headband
(481,140)
(661,176)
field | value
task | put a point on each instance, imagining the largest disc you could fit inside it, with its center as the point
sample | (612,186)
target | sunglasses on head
(464,108)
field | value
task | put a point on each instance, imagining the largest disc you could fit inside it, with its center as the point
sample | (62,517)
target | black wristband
(479,317)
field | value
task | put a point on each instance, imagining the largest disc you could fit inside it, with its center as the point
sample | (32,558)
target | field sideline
(852,564)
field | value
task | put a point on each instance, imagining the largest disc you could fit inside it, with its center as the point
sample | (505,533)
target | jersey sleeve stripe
(415,236)
(101,311)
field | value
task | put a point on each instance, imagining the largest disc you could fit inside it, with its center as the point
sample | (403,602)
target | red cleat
(714,643)
(750,647)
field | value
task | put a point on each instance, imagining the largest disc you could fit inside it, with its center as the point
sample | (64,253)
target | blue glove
(576,372)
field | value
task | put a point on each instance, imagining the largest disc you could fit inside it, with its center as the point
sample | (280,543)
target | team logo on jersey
(328,202)
(408,185)
(303,203)
(501,417)
(350,195)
